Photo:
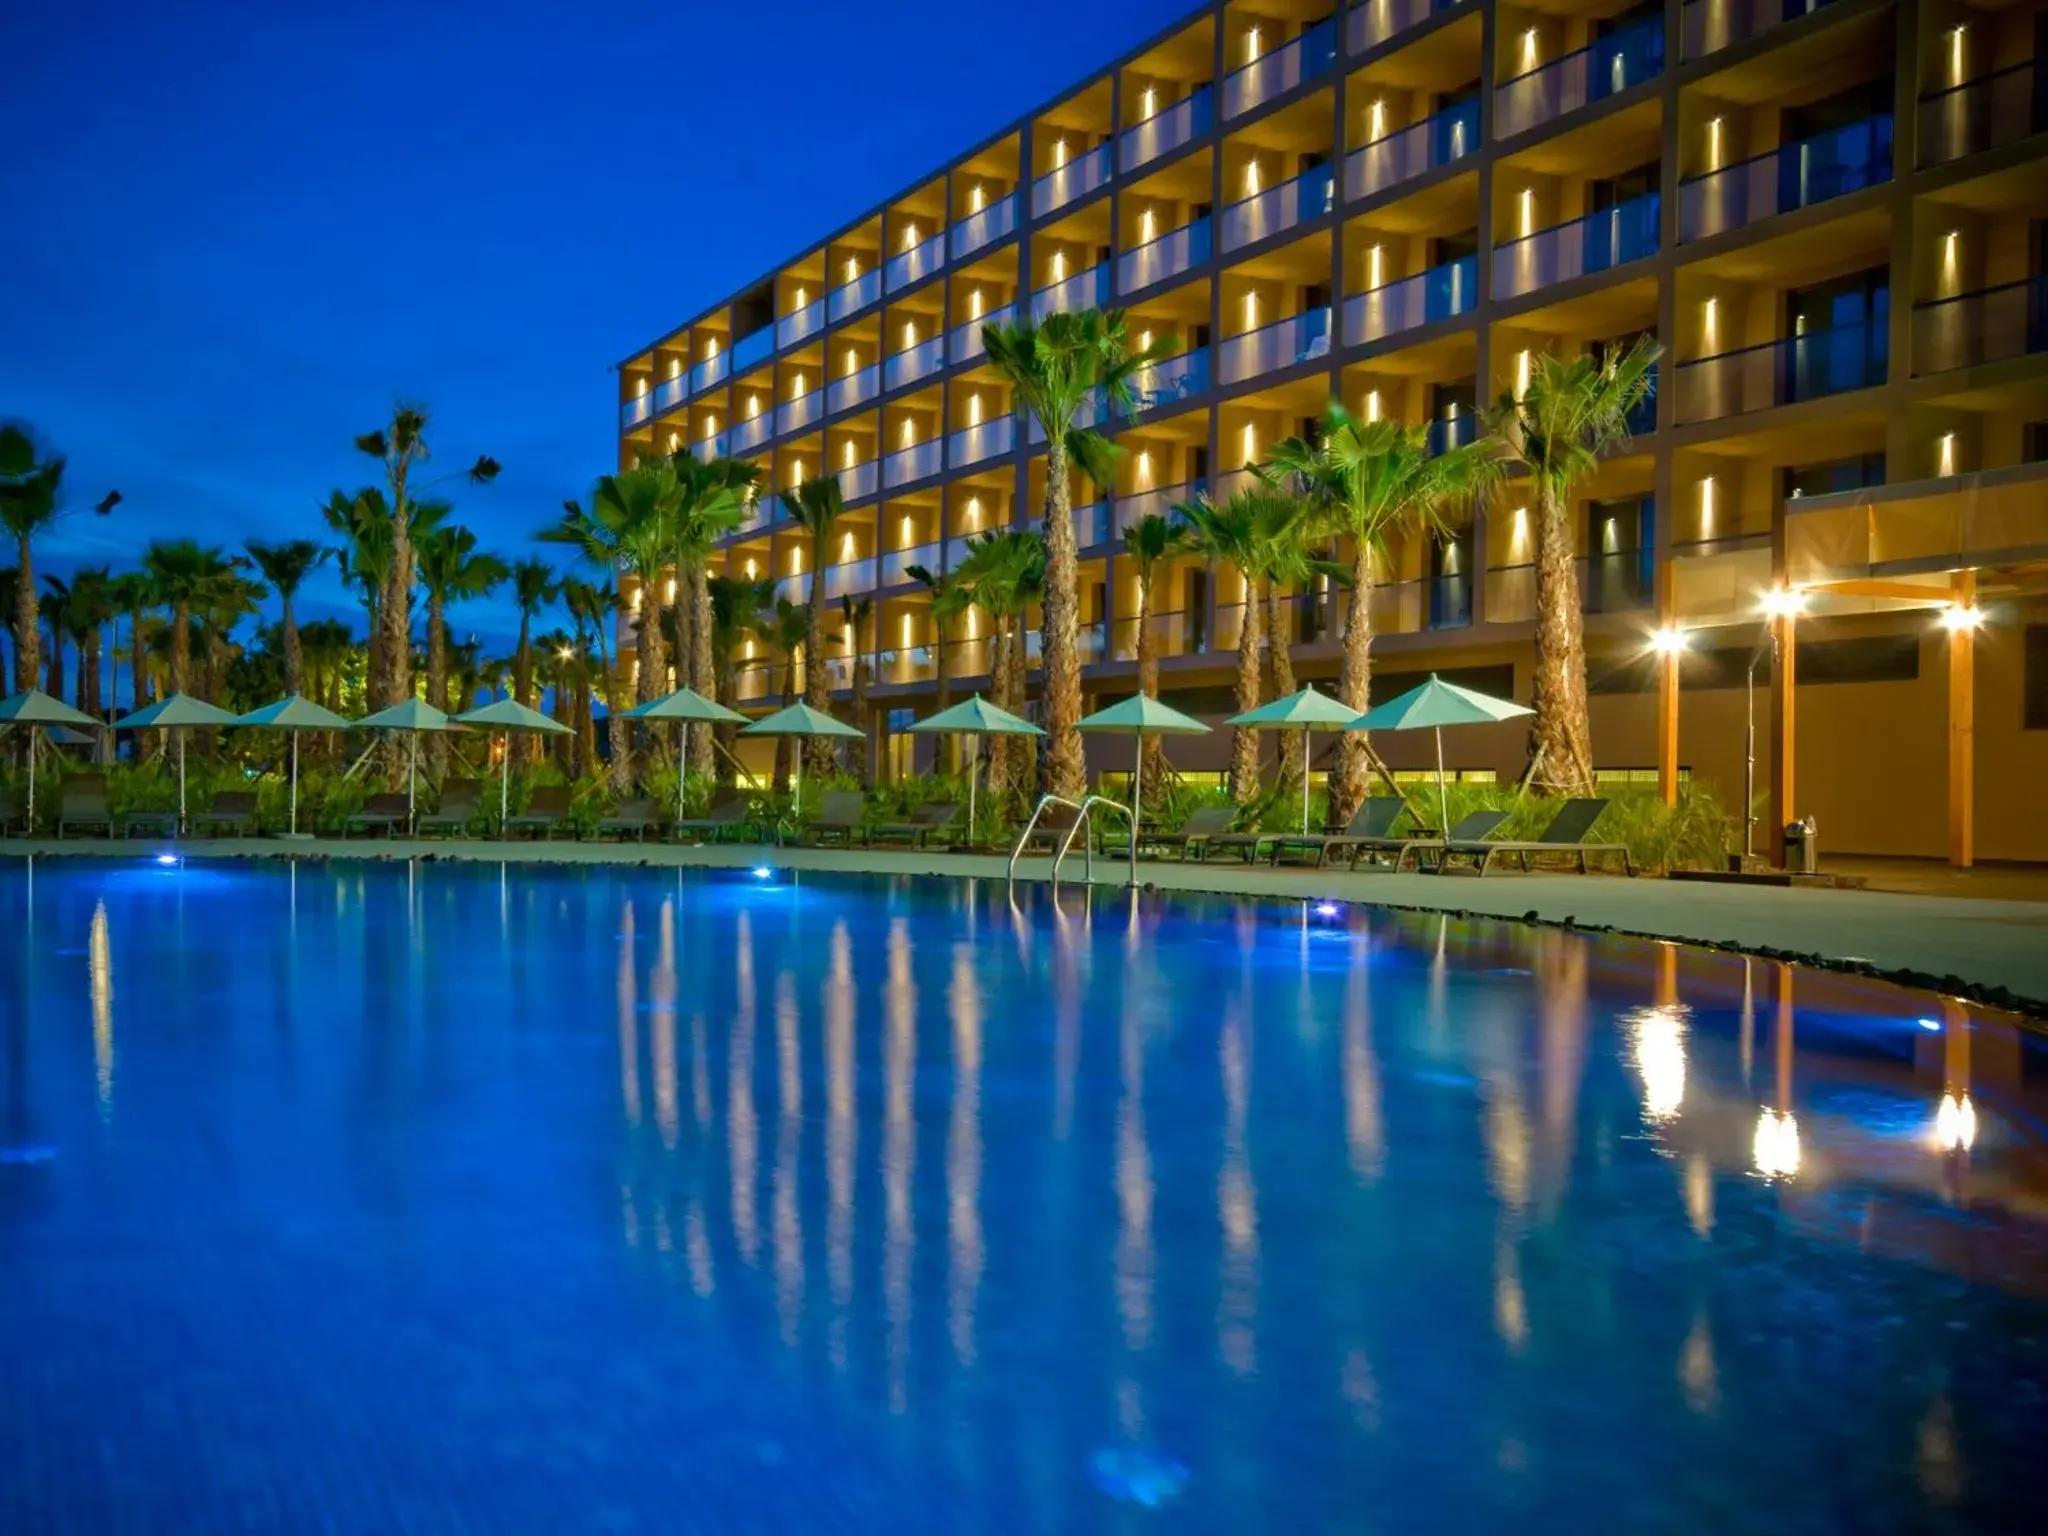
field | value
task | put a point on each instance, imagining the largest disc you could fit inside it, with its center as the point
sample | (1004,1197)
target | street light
(1668,642)
(1779,606)
(1962,618)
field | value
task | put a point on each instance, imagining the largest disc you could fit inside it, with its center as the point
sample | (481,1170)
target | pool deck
(1993,949)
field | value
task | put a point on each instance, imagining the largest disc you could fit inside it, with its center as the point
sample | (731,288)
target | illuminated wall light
(1372,405)
(710,426)
(803,296)
(1151,103)
(847,549)
(710,346)
(1375,267)
(1144,341)
(751,570)
(747,650)
(1059,153)
(1528,50)
(975,199)
(1951,262)
(796,387)
(904,630)
(1251,177)
(973,624)
(1251,46)
(905,531)
(1518,531)
(1059,266)
(852,269)
(1714,144)
(1376,120)
(753,406)
(1251,311)
(796,471)
(907,435)
(1521,373)
(846,455)
(910,236)
(1248,439)
(1948,455)
(675,441)
(974,410)
(1710,327)
(852,361)
(1146,226)
(1528,211)
(973,513)
(909,334)
(1955,54)
(1707,507)
(675,367)
(974,303)
(1143,468)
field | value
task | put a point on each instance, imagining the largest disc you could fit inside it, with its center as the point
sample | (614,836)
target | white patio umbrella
(173,714)
(1431,707)
(508,716)
(294,714)
(684,706)
(1140,716)
(37,710)
(975,717)
(799,720)
(1303,711)
(414,717)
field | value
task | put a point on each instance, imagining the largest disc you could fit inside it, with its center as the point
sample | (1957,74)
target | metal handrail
(1082,809)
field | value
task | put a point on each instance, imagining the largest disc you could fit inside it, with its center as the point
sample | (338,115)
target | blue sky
(235,233)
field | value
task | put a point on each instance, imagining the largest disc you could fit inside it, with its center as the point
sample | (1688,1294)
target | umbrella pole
(1443,796)
(973,783)
(412,780)
(31,781)
(682,747)
(1304,780)
(181,783)
(1137,802)
(505,786)
(295,784)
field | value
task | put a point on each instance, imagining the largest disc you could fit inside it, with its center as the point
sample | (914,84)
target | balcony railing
(1172,380)
(1996,517)
(849,579)
(755,679)
(1438,294)
(758,514)
(1278,209)
(1297,339)
(1607,238)
(753,348)
(905,664)
(1987,326)
(671,392)
(915,264)
(636,410)
(984,227)
(1781,372)
(792,415)
(1621,582)
(896,563)
(752,432)
(1157,502)
(1720,578)
(914,363)
(856,480)
(1412,151)
(1372,22)
(1448,432)
(849,390)
(717,446)
(919,461)
(1168,256)
(1167,129)
(1795,175)
(1708,26)
(1300,58)
(851,298)
(712,370)
(971,445)
(793,588)
(800,323)
(963,343)
(1084,290)
(1984,113)
(1064,183)
(1605,67)
(1172,635)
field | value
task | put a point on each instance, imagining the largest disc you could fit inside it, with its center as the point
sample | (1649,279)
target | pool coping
(1992,952)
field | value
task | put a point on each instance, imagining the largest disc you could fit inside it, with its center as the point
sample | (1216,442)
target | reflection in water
(1775,1147)
(1657,1046)
(1696,1372)
(963,1155)
(1955,1124)
(1134,1261)
(1237,1205)
(841,1134)
(1364,1131)
(789,1094)
(629,1021)
(100,966)
(667,1112)
(742,1131)
(899,1157)
(1699,1194)
(1510,1308)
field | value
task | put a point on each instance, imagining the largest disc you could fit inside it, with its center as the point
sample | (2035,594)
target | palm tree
(56,612)
(131,593)
(363,523)
(1057,367)
(1286,560)
(91,608)
(31,486)
(1150,542)
(737,606)
(401,447)
(857,616)
(593,604)
(712,498)
(286,566)
(1235,534)
(451,570)
(229,600)
(816,507)
(1573,410)
(1371,482)
(1003,573)
(626,530)
(326,647)
(534,586)
(949,601)
(789,628)
(185,575)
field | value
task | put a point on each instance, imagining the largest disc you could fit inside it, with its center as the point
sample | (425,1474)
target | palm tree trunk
(821,753)
(397,604)
(294,661)
(1151,750)
(1244,741)
(136,666)
(437,680)
(703,668)
(373,672)
(27,621)
(181,645)
(1560,736)
(999,683)
(1066,765)
(942,674)
(1354,682)
(54,685)
(858,750)
(785,755)
(1280,661)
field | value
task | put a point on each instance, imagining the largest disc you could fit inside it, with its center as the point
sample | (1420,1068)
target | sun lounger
(82,803)
(727,813)
(546,809)
(460,809)
(380,813)
(233,810)
(1372,821)
(146,824)
(840,815)
(1203,823)
(1052,828)
(1419,840)
(1565,835)
(633,817)
(933,819)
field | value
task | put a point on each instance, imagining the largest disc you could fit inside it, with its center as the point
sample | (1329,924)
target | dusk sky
(235,233)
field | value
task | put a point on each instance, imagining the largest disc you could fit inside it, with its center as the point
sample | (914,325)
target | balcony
(1064,183)
(1438,294)
(636,410)
(712,370)
(849,579)
(963,342)
(1084,290)
(793,415)
(985,227)
(1606,238)
(849,390)
(1372,22)
(1994,517)
(914,363)
(1795,175)
(1166,257)
(914,265)
(896,564)
(1988,326)
(1167,129)
(751,433)
(1985,113)
(1263,80)
(1278,209)
(1621,582)
(754,347)
(1172,380)
(970,658)
(793,588)
(1708,26)
(755,679)
(988,440)
(920,461)
(670,393)
(905,664)
(756,515)
(1447,432)
(1412,151)
(800,323)
(851,298)
(1782,372)
(1605,67)
(1157,502)
(1299,339)
(717,446)
(856,481)
(1173,634)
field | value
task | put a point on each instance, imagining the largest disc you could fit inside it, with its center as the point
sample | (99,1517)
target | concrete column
(1962,724)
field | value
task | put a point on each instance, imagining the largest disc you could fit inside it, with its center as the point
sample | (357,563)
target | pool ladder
(1082,809)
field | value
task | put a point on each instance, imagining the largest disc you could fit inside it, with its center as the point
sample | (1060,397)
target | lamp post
(1962,619)
(1668,644)
(1781,608)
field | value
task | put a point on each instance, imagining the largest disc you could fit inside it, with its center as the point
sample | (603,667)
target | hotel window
(2035,673)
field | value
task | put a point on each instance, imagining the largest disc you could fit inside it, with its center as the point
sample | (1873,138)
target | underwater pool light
(762,872)
(1931,1024)
(167,859)
(1327,909)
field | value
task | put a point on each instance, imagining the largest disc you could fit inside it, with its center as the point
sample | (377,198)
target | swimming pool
(379,1196)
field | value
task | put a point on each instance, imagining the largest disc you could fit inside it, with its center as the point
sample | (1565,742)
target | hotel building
(1830,215)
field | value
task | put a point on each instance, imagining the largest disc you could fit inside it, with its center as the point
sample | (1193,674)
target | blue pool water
(385,1197)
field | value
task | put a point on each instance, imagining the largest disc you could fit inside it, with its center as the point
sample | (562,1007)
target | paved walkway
(1990,947)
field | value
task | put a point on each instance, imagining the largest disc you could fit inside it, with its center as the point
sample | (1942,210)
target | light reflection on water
(1295,1220)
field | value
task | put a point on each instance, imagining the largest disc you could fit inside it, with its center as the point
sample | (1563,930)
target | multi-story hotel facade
(1831,218)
